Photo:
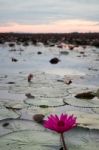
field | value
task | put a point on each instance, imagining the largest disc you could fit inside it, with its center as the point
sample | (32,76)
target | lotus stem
(63,142)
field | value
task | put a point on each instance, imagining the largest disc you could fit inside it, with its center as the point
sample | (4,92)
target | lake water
(54,87)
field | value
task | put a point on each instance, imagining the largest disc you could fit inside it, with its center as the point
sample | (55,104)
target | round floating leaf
(12,125)
(31,110)
(75,90)
(44,102)
(30,140)
(51,91)
(86,120)
(42,85)
(76,139)
(82,139)
(5,113)
(6,95)
(14,105)
(72,101)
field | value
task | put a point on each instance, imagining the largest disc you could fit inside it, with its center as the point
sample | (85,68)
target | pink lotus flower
(60,124)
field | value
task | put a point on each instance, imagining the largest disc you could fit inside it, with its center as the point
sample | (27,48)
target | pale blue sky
(45,12)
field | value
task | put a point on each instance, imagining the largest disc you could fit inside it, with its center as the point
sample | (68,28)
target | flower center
(61,123)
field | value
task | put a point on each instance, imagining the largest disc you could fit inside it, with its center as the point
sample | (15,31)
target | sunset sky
(49,16)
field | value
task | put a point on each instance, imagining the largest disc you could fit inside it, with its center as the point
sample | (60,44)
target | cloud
(39,12)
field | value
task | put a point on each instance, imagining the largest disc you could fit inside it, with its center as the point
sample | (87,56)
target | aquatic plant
(60,124)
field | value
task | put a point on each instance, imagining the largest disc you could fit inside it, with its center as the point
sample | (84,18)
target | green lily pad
(50,91)
(5,113)
(30,140)
(12,125)
(42,85)
(78,139)
(82,139)
(44,90)
(86,120)
(46,102)
(14,105)
(31,110)
(72,101)
(6,95)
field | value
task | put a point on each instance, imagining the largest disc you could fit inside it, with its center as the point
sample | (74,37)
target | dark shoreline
(75,38)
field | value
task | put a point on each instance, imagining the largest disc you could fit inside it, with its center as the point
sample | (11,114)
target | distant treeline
(52,38)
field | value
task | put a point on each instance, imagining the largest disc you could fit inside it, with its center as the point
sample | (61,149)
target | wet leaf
(54,60)
(5,124)
(39,53)
(38,118)
(86,95)
(43,106)
(11,82)
(14,60)
(28,95)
